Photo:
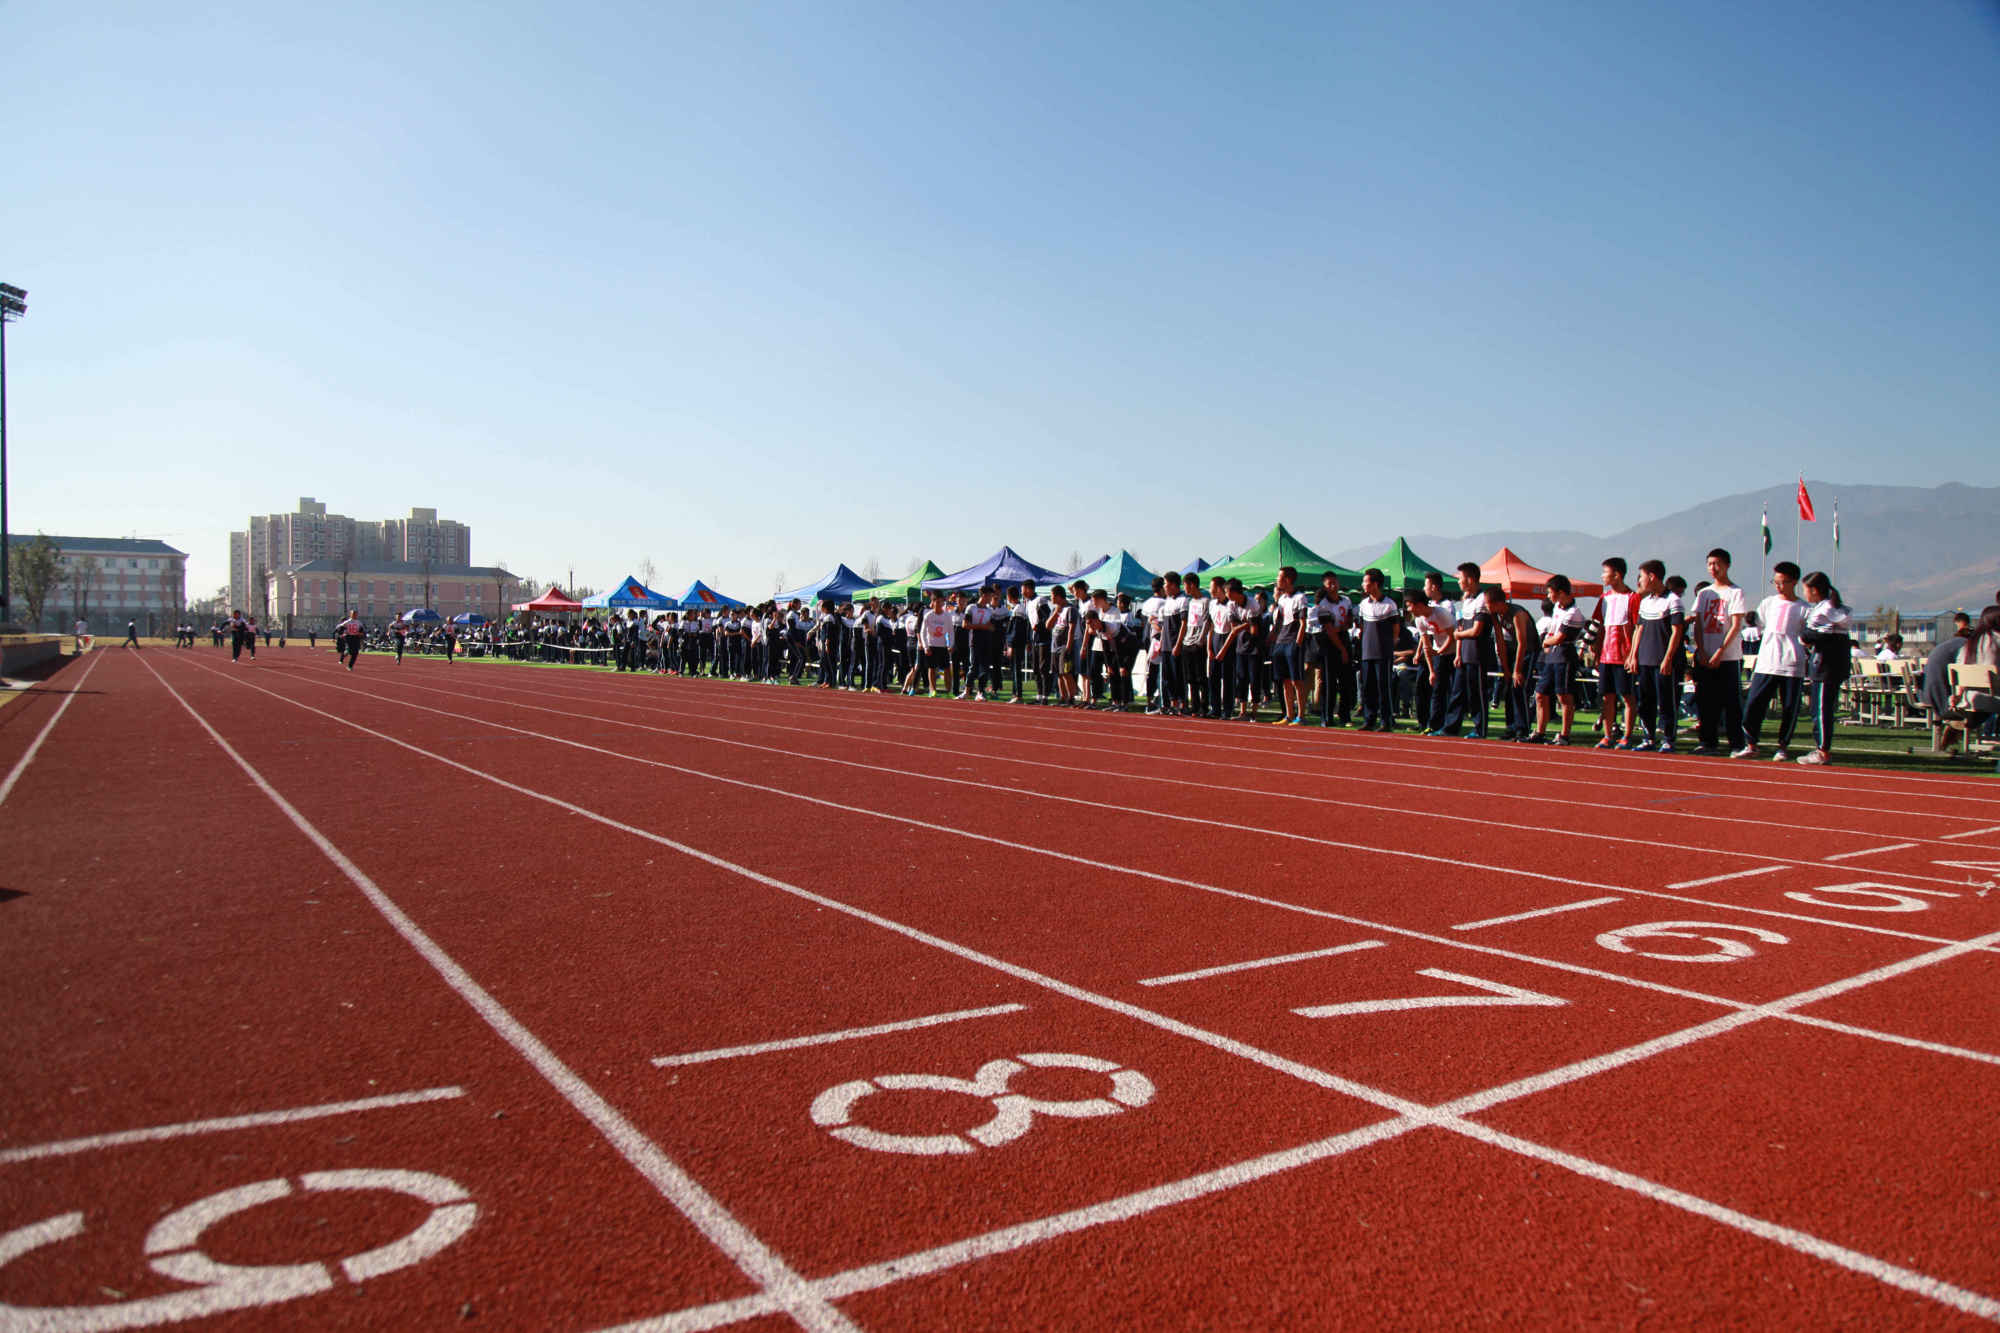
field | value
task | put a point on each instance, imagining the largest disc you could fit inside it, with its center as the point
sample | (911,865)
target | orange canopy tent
(1517,578)
(552,600)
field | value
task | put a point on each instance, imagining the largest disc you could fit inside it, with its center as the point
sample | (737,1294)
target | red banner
(1805,502)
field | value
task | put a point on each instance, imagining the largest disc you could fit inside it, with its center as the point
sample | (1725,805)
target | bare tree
(778,582)
(82,583)
(872,571)
(648,571)
(260,591)
(1076,560)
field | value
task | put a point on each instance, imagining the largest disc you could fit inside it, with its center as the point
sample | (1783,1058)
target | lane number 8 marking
(1013,1113)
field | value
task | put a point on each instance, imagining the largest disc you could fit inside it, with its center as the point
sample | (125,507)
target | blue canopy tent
(1194,566)
(840,584)
(700,595)
(470,618)
(420,613)
(1001,568)
(1121,573)
(631,594)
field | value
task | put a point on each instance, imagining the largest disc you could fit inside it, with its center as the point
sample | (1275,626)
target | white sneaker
(1747,752)
(1782,757)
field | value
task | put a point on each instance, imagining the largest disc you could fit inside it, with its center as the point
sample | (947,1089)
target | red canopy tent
(1517,578)
(552,600)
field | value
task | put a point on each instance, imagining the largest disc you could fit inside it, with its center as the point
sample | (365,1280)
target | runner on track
(347,640)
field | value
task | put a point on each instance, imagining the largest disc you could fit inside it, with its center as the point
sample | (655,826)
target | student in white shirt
(1554,683)
(1329,619)
(1289,615)
(1222,629)
(1192,651)
(1716,627)
(1437,652)
(1064,632)
(935,644)
(1380,619)
(1826,635)
(1780,668)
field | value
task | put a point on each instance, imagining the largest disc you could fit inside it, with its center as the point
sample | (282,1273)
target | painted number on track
(1013,1113)
(1498,993)
(1868,896)
(173,1249)
(1726,950)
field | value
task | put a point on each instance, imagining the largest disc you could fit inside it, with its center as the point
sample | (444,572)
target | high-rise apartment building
(277,544)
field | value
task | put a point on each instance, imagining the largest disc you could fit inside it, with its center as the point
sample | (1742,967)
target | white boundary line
(1377,927)
(35,746)
(1734,874)
(1892,1274)
(1539,911)
(1870,851)
(758,1261)
(874,737)
(829,1038)
(66,1147)
(1093,804)
(1261,962)
(1971,833)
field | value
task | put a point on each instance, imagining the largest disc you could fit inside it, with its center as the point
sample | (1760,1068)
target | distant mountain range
(1912,547)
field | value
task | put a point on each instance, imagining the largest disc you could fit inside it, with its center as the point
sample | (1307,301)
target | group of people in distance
(1225,651)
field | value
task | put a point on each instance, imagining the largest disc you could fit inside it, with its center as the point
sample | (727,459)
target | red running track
(1056,1021)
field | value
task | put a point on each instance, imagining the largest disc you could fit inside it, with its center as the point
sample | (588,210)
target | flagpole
(1799,541)
(1836,543)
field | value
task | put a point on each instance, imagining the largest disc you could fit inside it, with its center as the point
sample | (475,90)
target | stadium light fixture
(13,305)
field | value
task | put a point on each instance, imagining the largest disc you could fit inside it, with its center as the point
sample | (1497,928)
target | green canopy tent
(1258,567)
(1403,570)
(903,589)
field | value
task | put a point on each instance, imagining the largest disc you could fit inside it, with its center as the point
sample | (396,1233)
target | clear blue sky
(750,288)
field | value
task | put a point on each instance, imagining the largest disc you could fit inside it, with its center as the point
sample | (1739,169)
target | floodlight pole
(13,305)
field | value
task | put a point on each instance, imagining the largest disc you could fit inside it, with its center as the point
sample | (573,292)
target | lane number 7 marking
(1498,993)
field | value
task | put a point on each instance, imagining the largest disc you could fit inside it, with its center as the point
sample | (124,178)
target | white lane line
(220,1124)
(1123,1208)
(1972,833)
(1540,911)
(828,1038)
(1734,874)
(1906,1279)
(1262,962)
(1094,804)
(1870,851)
(874,736)
(1153,876)
(757,1260)
(1894,1275)
(35,746)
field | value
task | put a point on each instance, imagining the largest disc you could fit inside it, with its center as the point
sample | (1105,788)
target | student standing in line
(1016,636)
(1467,699)
(1684,705)
(1555,683)
(1438,652)
(347,640)
(913,635)
(1335,616)
(1247,648)
(1780,665)
(1380,620)
(1096,650)
(1149,620)
(1040,655)
(1191,652)
(934,642)
(1516,641)
(1164,650)
(1221,639)
(1720,608)
(1289,617)
(1662,626)
(1064,629)
(1826,635)
(1617,611)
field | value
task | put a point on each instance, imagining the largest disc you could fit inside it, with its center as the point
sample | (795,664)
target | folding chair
(1976,678)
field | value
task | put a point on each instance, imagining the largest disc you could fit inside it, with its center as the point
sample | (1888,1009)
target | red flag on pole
(1805,503)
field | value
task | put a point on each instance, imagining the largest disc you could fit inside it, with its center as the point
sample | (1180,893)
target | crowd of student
(1439,658)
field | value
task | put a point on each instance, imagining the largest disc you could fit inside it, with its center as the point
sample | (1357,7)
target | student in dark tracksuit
(1476,657)
(347,640)
(1018,638)
(1380,619)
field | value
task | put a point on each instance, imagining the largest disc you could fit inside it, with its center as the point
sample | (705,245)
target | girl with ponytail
(1826,633)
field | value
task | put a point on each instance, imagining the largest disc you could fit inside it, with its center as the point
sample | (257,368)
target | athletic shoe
(1815,757)
(1607,744)
(1747,752)
(1636,745)
(1538,738)
(1560,740)
(1665,747)
(1782,756)
(1707,751)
